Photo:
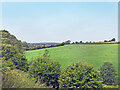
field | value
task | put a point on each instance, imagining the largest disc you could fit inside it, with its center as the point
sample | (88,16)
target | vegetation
(45,70)
(108,73)
(41,69)
(80,75)
(12,51)
(11,54)
(16,78)
(9,39)
(32,46)
(13,61)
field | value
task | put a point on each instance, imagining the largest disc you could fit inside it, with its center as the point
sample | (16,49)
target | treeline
(28,46)
(31,46)
(112,41)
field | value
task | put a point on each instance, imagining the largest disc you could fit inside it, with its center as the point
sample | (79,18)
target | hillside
(12,51)
(68,54)
(9,39)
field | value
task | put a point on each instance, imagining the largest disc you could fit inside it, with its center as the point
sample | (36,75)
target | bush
(108,73)
(45,70)
(80,75)
(11,54)
(17,79)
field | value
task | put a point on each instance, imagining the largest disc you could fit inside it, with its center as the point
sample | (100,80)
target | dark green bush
(45,70)
(108,73)
(80,75)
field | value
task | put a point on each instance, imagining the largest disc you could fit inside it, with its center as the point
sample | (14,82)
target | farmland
(18,68)
(68,54)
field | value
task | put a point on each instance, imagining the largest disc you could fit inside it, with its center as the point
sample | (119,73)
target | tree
(80,75)
(86,41)
(9,39)
(67,42)
(43,46)
(11,54)
(46,54)
(45,70)
(108,73)
(76,42)
(90,42)
(113,39)
(80,41)
(73,43)
(105,41)
(63,43)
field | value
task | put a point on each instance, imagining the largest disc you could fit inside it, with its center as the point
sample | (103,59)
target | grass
(69,54)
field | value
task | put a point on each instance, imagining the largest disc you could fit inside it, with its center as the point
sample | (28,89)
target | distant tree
(43,46)
(63,43)
(108,73)
(80,41)
(86,41)
(113,39)
(73,43)
(105,41)
(76,42)
(67,42)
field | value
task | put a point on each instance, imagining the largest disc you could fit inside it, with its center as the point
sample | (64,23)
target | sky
(60,21)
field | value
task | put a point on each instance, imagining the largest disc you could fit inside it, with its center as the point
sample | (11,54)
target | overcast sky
(60,21)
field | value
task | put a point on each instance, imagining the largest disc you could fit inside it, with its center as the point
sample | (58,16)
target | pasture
(68,54)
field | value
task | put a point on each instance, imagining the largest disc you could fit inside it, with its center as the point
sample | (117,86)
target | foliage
(108,73)
(45,70)
(11,54)
(109,86)
(46,54)
(15,78)
(18,79)
(7,38)
(80,75)
(12,51)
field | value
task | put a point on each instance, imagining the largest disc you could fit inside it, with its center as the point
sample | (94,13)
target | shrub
(45,70)
(108,73)
(80,75)
(11,54)
(17,79)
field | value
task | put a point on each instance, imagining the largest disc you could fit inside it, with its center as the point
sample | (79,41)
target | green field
(68,54)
